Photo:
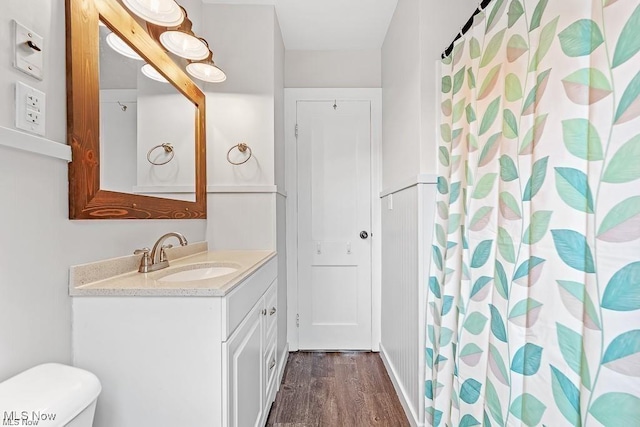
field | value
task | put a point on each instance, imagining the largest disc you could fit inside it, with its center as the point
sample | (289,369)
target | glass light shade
(165,13)
(206,71)
(117,44)
(184,45)
(152,73)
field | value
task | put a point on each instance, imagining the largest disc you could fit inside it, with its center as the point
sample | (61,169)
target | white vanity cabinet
(187,360)
(250,357)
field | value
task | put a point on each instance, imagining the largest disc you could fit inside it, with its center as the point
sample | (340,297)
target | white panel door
(334,208)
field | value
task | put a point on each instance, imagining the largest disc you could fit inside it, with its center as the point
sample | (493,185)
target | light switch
(28,51)
(30,109)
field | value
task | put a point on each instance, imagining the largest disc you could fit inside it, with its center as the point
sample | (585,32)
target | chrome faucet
(156,258)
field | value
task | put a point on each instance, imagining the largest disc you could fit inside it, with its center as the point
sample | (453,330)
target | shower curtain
(533,313)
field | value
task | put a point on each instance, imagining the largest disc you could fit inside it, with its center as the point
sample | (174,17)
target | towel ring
(242,147)
(168,148)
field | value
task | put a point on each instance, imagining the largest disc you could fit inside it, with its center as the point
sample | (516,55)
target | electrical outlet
(33,101)
(30,109)
(33,117)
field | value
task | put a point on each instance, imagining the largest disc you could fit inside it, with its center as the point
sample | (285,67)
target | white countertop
(148,284)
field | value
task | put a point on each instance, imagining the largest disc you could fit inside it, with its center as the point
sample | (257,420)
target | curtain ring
(242,147)
(168,148)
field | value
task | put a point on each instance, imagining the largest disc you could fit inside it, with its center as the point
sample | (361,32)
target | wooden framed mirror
(88,199)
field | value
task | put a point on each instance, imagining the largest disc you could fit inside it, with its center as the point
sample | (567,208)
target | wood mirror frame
(86,199)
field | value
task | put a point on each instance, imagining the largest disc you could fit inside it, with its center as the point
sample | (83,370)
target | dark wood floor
(335,390)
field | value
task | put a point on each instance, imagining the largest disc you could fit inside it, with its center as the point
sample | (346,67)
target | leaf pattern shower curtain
(533,313)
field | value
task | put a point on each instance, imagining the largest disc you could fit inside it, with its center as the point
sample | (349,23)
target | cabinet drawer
(238,303)
(271,304)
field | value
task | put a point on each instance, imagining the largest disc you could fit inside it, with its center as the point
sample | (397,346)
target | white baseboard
(402,394)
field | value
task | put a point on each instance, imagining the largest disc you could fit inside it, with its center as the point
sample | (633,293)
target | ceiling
(329,24)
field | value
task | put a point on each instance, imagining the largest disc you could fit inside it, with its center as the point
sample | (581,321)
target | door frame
(291,98)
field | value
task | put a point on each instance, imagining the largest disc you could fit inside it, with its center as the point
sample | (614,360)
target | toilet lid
(51,390)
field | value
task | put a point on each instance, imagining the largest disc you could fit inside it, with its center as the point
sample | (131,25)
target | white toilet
(50,395)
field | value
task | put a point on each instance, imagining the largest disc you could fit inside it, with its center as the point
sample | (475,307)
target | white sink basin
(198,272)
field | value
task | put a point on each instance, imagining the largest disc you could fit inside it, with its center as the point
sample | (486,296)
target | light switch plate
(30,109)
(28,51)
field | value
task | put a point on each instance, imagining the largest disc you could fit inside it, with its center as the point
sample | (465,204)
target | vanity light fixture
(166,13)
(117,44)
(149,71)
(179,39)
(206,71)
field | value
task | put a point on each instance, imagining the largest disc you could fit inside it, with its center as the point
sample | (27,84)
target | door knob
(364,235)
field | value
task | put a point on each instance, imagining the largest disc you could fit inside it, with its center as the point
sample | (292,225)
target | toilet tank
(49,395)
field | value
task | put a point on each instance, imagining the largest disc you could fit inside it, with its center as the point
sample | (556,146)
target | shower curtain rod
(482,6)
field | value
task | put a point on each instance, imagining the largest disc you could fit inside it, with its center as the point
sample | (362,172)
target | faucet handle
(163,255)
(145,262)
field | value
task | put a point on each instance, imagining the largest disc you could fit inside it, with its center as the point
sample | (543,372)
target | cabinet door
(244,351)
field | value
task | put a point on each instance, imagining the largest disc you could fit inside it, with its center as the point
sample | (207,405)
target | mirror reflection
(147,132)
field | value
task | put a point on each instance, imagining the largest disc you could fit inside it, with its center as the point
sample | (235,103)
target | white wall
(241,109)
(39,242)
(241,221)
(333,68)
(401,95)
(418,34)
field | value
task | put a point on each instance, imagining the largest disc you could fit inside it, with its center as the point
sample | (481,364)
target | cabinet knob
(264,311)
(272,364)
(272,311)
